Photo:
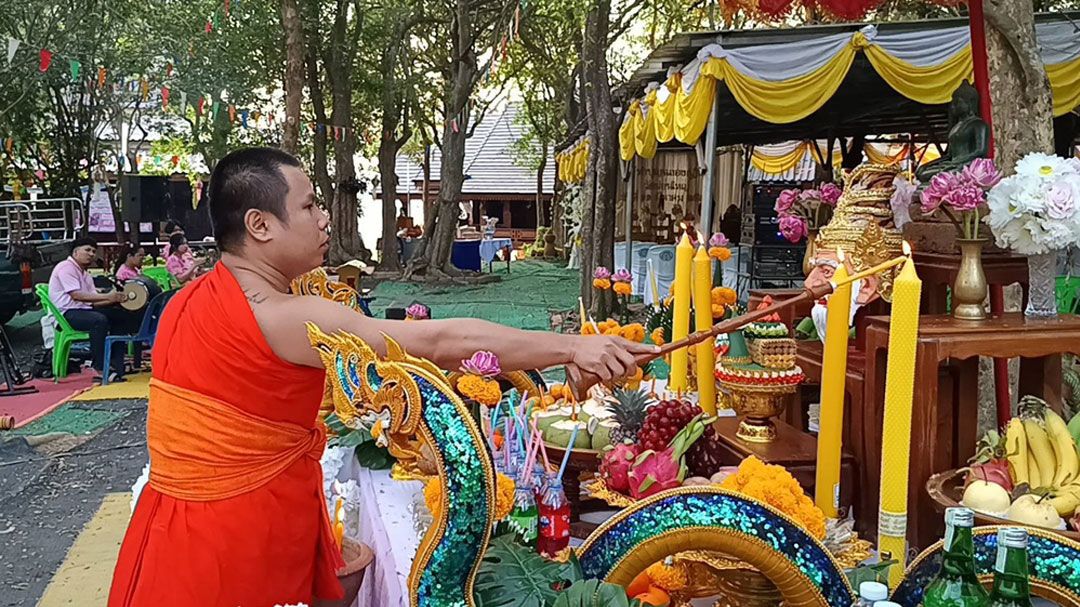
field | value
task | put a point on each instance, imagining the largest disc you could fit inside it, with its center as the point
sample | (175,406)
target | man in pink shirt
(72,291)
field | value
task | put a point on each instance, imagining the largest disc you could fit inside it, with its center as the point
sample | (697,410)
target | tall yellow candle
(680,316)
(654,284)
(896,431)
(833,376)
(706,357)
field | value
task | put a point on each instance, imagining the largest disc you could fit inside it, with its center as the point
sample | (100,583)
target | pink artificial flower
(965,198)
(830,194)
(935,193)
(719,240)
(601,273)
(785,201)
(1060,202)
(418,311)
(982,173)
(809,196)
(622,275)
(483,363)
(793,227)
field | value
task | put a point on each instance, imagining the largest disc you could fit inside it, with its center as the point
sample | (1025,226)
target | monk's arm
(448,342)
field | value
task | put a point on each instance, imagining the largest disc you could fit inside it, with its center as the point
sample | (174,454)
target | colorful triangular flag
(75,67)
(12,46)
(214,109)
(183,102)
(199,105)
(100,77)
(46,60)
(243,118)
(144,88)
(232,113)
(168,70)
(164,97)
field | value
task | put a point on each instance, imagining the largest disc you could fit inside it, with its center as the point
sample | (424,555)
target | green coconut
(592,408)
(601,436)
(559,433)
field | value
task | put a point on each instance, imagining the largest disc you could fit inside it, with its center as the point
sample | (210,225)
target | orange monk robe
(234,514)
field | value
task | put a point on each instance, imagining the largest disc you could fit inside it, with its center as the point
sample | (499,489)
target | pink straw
(534,445)
(543,449)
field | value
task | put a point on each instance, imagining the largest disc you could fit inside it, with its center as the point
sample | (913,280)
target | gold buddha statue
(863,227)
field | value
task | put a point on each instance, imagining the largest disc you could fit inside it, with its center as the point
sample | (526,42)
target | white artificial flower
(1044,166)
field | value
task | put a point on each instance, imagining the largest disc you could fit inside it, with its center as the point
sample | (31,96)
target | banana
(1034,474)
(1064,449)
(1039,443)
(1066,500)
(1016,452)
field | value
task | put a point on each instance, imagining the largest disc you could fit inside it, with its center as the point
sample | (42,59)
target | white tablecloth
(386,525)
(489,247)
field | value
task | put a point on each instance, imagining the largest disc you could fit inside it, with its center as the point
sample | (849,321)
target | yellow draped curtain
(683,115)
(570,165)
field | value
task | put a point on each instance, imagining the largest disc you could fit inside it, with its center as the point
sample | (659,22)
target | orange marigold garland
(633,332)
(622,288)
(718,247)
(657,336)
(775,486)
(504,496)
(477,381)
(601,278)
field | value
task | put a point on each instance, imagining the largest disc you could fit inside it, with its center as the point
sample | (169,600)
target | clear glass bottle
(1011,570)
(523,518)
(956,584)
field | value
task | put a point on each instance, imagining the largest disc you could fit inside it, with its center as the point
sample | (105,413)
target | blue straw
(566,454)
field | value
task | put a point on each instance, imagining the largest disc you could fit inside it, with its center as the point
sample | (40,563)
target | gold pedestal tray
(756,405)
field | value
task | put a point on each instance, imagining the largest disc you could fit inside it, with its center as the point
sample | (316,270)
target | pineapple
(628,411)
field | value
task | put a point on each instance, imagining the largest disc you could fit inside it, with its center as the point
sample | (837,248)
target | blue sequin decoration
(683,511)
(444,580)
(339,367)
(1050,560)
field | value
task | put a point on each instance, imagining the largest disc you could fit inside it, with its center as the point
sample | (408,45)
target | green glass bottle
(956,585)
(1011,570)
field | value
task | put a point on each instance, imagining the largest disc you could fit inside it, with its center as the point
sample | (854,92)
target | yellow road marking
(86,573)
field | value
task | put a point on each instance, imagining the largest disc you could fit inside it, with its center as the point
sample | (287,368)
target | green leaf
(512,574)
(373,456)
(877,572)
(335,425)
(594,593)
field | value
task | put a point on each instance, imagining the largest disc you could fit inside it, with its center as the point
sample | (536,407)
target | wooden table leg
(867,445)
(931,436)
(965,421)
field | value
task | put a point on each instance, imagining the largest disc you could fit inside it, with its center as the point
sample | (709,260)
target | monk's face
(301,242)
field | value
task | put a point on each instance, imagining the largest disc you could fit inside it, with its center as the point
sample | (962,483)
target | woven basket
(773,353)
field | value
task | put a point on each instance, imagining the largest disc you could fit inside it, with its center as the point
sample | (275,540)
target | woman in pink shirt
(181,263)
(130,263)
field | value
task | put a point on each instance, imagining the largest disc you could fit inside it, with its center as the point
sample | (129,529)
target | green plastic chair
(1066,291)
(163,277)
(64,336)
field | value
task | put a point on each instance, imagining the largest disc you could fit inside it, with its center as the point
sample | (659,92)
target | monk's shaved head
(246,179)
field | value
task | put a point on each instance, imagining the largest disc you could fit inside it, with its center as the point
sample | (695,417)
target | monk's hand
(603,359)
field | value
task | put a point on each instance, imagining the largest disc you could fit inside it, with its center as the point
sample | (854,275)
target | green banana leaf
(594,593)
(512,575)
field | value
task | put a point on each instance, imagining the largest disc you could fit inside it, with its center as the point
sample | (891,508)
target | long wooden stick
(580,385)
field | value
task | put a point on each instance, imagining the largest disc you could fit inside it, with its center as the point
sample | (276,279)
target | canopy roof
(775,85)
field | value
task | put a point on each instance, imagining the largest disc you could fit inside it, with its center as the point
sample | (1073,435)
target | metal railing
(41,220)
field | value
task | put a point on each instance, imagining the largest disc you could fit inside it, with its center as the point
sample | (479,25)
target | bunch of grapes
(663,421)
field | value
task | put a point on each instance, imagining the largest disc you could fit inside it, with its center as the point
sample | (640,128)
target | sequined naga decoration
(411,403)
(1053,566)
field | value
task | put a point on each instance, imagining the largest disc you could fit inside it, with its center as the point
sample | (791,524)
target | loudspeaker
(145,198)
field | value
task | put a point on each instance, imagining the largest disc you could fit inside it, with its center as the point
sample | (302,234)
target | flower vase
(811,249)
(970,289)
(1042,273)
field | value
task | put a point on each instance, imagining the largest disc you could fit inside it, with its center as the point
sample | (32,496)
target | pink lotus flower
(483,363)
(965,198)
(615,467)
(982,173)
(793,227)
(1060,202)
(622,275)
(785,201)
(830,194)
(601,273)
(935,193)
(719,240)
(418,311)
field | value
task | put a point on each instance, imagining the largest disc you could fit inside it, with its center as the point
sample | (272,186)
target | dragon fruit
(615,467)
(655,471)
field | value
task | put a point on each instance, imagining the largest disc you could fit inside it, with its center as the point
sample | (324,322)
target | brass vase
(811,249)
(970,289)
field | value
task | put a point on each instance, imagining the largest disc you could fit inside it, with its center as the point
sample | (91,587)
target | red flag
(168,70)
(164,97)
(209,26)
(226,8)
(199,105)
(232,113)
(46,60)
(175,161)
(100,77)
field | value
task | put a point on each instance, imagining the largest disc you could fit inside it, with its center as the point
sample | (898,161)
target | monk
(234,513)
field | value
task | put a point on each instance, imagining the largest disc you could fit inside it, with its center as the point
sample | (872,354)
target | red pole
(977,25)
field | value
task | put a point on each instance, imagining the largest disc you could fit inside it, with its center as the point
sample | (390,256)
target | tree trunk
(320,156)
(294,73)
(541,216)
(588,204)
(389,259)
(434,254)
(1019,89)
(603,158)
(345,242)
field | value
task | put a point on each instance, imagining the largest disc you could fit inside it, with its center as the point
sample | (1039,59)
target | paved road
(48,492)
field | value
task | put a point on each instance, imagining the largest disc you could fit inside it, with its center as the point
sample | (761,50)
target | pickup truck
(34,236)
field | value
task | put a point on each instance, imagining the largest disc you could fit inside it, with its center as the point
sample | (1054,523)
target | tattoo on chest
(255,297)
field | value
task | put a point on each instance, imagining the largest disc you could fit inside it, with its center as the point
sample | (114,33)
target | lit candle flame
(907,249)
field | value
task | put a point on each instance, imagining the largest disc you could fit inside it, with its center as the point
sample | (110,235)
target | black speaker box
(145,198)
